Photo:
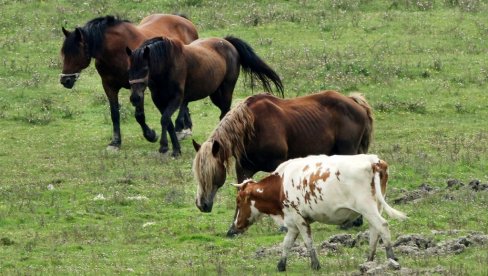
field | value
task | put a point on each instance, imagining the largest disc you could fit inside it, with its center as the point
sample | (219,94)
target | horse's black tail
(254,66)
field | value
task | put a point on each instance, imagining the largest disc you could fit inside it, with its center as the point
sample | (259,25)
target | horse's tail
(368,133)
(254,66)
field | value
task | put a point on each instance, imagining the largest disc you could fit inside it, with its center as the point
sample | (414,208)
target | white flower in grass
(148,224)
(99,197)
(138,197)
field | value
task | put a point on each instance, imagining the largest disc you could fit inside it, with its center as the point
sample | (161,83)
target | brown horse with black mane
(178,74)
(105,40)
(263,131)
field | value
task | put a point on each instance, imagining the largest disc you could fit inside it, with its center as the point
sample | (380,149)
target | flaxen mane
(368,134)
(232,132)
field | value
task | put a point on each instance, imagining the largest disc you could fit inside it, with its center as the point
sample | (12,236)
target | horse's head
(210,172)
(75,55)
(138,73)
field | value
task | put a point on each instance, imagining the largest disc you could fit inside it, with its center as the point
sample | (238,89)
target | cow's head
(247,213)
(255,199)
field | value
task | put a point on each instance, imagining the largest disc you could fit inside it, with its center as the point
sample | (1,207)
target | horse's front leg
(148,133)
(113,100)
(167,125)
(183,123)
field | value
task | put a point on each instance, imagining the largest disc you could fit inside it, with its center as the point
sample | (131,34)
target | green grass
(422,65)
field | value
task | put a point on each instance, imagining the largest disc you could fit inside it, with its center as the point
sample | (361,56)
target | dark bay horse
(105,40)
(177,74)
(263,131)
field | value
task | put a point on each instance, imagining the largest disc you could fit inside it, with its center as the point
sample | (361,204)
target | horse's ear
(196,145)
(215,148)
(65,32)
(128,51)
(79,35)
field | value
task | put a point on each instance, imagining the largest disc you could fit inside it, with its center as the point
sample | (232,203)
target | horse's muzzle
(204,206)
(68,81)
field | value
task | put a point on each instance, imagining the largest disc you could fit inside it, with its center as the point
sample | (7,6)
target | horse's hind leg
(222,98)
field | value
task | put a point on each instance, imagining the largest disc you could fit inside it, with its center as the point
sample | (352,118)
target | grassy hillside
(68,206)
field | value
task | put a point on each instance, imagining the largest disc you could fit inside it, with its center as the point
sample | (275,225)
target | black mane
(94,34)
(161,50)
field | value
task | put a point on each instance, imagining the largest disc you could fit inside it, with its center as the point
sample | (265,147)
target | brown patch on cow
(382,168)
(318,165)
(270,200)
(306,168)
(314,178)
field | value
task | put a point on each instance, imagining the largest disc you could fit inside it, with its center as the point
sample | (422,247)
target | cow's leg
(306,233)
(380,225)
(290,238)
(373,242)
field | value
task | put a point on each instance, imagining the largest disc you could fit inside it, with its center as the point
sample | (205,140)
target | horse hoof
(152,136)
(113,148)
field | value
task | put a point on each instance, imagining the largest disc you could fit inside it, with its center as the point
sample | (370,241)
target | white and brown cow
(328,189)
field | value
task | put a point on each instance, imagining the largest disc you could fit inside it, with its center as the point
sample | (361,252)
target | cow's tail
(390,211)
(368,132)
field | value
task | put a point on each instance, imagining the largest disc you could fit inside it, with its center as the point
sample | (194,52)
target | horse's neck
(116,40)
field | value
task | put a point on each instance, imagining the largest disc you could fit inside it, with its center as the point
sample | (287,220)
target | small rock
(327,246)
(366,266)
(454,183)
(344,239)
(425,187)
(478,239)
(408,250)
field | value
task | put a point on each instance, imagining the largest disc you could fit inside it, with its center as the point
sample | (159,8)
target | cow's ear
(196,145)
(215,148)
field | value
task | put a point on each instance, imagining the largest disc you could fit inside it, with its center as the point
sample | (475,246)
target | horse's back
(323,123)
(168,25)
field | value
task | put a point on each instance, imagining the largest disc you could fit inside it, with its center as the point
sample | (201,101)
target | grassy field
(68,206)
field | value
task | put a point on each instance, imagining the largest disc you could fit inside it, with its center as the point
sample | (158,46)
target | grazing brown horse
(177,74)
(105,40)
(263,131)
